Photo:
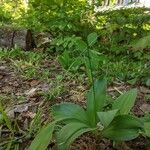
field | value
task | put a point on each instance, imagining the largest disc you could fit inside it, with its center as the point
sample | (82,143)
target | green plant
(90,57)
(54,91)
(146,130)
(35,124)
(61,16)
(72,120)
(69,63)
(65,42)
(4,119)
(86,53)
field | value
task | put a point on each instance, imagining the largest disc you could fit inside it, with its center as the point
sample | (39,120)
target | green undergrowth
(132,66)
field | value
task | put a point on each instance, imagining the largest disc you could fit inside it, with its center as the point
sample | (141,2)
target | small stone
(145,108)
(2,67)
(15,84)
(20,108)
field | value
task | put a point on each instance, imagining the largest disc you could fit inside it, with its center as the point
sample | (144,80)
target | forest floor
(24,93)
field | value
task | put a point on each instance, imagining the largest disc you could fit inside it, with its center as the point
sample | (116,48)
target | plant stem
(92,77)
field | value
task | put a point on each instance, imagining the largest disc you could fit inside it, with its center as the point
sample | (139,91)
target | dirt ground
(21,99)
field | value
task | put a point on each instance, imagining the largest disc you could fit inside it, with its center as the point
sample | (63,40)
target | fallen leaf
(34,83)
(31,92)
(144,90)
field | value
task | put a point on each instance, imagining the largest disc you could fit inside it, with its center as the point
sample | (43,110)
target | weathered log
(22,38)
(30,42)
(6,37)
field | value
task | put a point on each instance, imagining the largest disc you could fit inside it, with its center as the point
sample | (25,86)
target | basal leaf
(69,110)
(76,135)
(70,132)
(43,138)
(125,102)
(106,117)
(123,128)
(122,134)
(95,100)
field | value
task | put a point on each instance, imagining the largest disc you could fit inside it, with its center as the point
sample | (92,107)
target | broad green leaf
(69,110)
(123,128)
(145,118)
(43,138)
(106,117)
(68,133)
(125,102)
(121,134)
(95,100)
(81,45)
(92,38)
(147,128)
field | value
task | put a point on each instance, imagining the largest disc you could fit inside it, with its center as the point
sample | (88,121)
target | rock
(43,39)
(21,108)
(17,109)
